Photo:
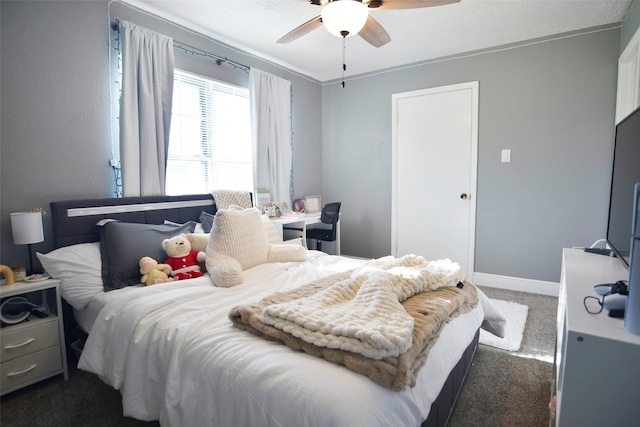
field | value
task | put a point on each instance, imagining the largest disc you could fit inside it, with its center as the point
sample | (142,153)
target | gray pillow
(206,219)
(122,244)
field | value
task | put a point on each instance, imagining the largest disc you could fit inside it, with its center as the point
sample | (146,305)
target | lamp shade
(27,228)
(344,18)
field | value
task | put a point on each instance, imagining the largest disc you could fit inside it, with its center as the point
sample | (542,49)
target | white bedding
(175,356)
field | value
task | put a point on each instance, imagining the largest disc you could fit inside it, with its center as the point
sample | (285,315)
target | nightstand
(34,349)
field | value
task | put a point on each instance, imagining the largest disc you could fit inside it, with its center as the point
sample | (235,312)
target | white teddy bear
(182,260)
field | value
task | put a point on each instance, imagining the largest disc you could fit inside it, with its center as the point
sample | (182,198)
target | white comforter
(174,355)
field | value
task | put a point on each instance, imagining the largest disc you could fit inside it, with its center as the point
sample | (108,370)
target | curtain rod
(199,52)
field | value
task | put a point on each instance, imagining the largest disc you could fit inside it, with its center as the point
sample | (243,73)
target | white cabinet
(597,366)
(34,349)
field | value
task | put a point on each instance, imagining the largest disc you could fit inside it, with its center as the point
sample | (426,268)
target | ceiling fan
(346,18)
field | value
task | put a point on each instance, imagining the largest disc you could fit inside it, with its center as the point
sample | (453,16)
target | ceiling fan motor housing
(371,5)
(344,18)
(371,31)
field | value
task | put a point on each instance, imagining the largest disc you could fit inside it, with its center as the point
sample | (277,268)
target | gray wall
(55,126)
(552,103)
(55,109)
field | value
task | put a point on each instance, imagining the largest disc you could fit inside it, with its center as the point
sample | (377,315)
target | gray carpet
(513,388)
(503,388)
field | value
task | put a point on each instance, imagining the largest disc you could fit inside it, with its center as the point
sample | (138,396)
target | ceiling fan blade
(374,34)
(409,4)
(301,30)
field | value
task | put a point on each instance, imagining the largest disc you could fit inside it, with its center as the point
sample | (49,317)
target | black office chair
(330,215)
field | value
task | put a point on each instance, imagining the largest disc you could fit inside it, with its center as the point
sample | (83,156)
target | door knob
(463,196)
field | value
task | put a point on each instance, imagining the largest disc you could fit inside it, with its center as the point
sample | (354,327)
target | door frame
(474,87)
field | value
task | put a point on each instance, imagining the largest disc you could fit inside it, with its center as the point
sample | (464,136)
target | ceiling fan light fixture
(344,18)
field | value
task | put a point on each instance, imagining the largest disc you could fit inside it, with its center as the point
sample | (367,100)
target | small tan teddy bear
(152,272)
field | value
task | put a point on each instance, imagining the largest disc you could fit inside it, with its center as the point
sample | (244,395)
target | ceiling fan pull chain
(344,61)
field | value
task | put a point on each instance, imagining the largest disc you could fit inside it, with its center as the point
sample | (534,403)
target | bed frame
(442,408)
(74,221)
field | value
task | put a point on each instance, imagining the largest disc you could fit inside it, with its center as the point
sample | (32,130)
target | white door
(435,138)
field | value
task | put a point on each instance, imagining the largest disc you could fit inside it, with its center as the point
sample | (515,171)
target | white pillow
(198,241)
(199,229)
(224,271)
(238,241)
(286,253)
(239,234)
(79,268)
(272,233)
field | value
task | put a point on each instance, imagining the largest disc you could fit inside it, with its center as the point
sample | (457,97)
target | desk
(302,222)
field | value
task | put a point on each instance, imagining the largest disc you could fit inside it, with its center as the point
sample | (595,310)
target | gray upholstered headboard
(74,221)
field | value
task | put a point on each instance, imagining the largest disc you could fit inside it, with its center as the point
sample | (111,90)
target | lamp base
(31,270)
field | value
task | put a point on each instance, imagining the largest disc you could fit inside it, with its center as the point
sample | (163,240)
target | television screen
(626,173)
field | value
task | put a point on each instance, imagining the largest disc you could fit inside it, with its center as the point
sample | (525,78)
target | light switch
(505,155)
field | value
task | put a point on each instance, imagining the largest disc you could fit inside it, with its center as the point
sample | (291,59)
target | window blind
(210,139)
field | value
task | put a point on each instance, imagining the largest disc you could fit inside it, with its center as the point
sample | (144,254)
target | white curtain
(271,132)
(145,109)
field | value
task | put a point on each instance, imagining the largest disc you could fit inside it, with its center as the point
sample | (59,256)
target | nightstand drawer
(26,369)
(25,340)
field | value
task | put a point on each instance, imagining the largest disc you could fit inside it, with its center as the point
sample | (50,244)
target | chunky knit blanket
(380,320)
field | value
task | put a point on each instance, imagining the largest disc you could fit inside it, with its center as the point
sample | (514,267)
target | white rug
(516,316)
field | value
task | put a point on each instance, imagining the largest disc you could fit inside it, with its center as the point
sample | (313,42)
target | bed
(173,352)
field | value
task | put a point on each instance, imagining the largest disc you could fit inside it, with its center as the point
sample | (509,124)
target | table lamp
(27,229)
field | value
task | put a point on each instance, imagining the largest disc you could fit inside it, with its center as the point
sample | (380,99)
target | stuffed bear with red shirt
(182,260)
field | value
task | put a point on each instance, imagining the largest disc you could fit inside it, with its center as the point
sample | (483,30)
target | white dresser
(34,349)
(597,366)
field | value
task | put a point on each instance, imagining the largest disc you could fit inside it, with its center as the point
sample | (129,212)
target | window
(210,141)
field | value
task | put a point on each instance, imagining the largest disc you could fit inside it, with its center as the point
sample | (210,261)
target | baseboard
(517,284)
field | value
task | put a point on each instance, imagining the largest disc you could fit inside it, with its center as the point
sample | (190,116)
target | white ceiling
(417,35)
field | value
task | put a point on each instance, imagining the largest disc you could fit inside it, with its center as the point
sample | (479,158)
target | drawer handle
(22,344)
(24,371)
